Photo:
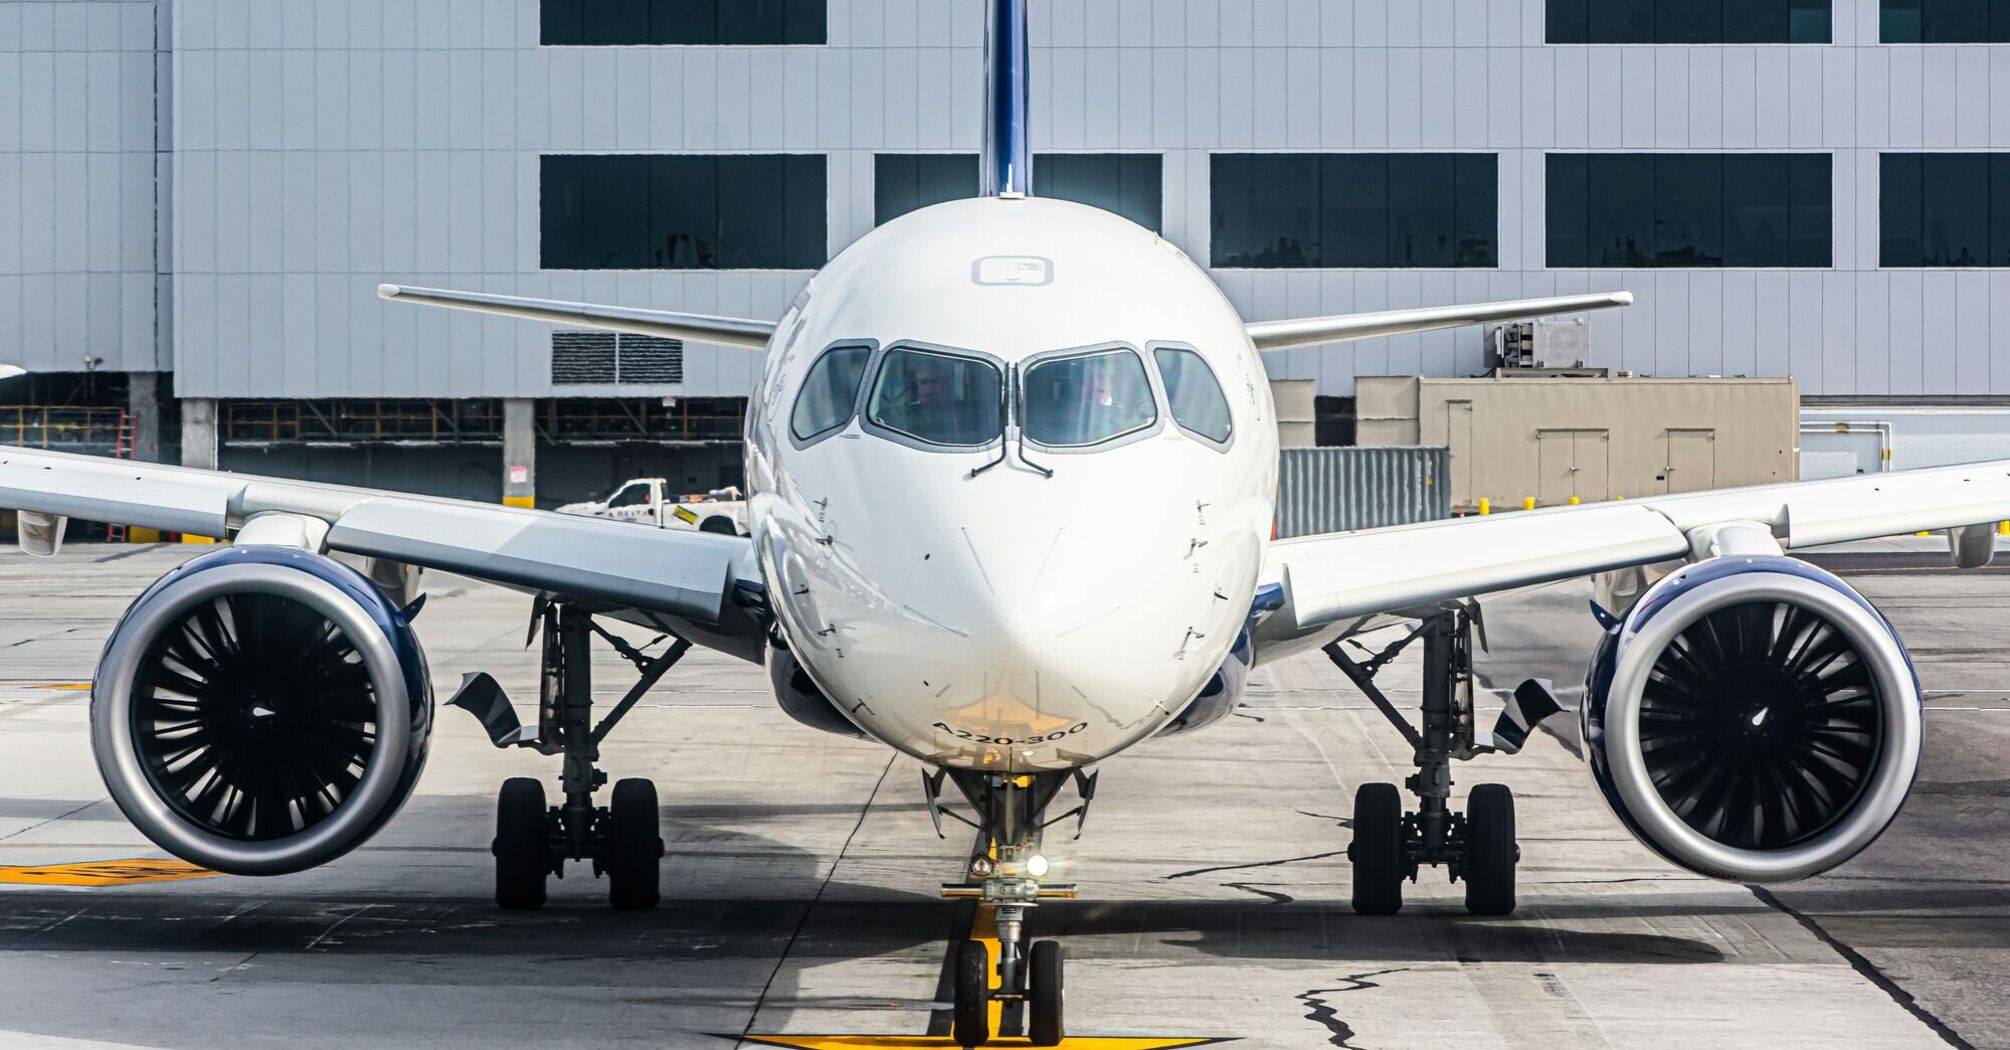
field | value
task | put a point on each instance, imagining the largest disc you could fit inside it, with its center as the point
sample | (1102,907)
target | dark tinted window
(683,22)
(1690,21)
(829,392)
(938,398)
(1945,22)
(1689,210)
(1196,398)
(1086,399)
(683,212)
(905,182)
(1129,184)
(1945,209)
(1368,210)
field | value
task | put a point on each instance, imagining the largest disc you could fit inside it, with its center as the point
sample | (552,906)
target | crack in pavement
(1275,896)
(1253,864)
(1342,1033)
(1868,969)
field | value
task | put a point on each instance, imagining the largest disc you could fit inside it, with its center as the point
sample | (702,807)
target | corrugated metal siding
(321,148)
(1339,489)
(77,167)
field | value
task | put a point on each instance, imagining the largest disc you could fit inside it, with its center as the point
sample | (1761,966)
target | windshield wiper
(1004,407)
(1019,384)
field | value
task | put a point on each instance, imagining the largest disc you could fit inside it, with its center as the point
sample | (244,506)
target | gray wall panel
(320,148)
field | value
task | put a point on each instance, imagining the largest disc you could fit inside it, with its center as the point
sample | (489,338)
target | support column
(519,452)
(198,432)
(143,405)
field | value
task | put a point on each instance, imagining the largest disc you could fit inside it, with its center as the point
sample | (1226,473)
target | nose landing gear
(996,968)
(1478,845)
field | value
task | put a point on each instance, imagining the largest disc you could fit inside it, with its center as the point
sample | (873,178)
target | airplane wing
(1311,331)
(724,331)
(701,583)
(1351,578)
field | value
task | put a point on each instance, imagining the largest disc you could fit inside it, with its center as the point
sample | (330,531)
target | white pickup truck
(648,502)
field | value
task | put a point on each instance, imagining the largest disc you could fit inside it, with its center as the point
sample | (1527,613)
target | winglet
(725,331)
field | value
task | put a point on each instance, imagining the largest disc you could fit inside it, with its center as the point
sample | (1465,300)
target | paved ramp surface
(799,890)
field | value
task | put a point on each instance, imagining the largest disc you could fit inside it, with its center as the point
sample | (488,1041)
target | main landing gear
(995,970)
(1477,846)
(533,841)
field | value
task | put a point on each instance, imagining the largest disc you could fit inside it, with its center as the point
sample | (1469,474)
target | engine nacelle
(1753,719)
(261,710)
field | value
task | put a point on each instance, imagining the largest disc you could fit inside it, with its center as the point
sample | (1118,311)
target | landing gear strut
(1477,846)
(1005,870)
(533,841)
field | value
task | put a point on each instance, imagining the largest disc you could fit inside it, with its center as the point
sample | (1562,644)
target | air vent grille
(608,358)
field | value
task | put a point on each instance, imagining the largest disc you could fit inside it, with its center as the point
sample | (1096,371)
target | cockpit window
(941,399)
(829,392)
(1086,399)
(1197,402)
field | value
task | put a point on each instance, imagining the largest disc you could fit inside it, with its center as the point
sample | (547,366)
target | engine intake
(1753,718)
(261,710)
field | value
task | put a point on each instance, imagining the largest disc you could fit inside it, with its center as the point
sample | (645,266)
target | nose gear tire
(970,1026)
(1046,1020)
(1377,850)
(520,845)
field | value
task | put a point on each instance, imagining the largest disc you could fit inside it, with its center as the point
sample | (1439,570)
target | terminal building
(198,199)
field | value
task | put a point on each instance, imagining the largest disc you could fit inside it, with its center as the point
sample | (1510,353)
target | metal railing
(63,428)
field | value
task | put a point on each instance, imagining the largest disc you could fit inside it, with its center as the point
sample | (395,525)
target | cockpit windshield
(942,399)
(1085,399)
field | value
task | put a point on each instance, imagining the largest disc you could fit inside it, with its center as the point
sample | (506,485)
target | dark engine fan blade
(254,716)
(1760,725)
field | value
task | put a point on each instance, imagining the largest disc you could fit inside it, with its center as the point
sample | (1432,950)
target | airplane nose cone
(1055,624)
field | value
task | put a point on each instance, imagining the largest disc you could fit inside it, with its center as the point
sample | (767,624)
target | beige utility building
(1553,439)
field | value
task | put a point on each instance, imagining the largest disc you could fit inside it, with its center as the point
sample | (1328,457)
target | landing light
(1037,866)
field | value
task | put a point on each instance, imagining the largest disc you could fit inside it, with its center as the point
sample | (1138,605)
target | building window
(1365,210)
(1944,22)
(1690,209)
(1691,21)
(1945,209)
(607,22)
(683,212)
(905,182)
(1129,184)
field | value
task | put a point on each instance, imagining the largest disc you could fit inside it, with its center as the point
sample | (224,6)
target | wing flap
(1347,574)
(681,573)
(94,488)
(1863,507)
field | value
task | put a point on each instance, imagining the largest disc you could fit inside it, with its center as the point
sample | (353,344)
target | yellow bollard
(2003,528)
(1486,505)
(1528,503)
(1922,534)
(1573,501)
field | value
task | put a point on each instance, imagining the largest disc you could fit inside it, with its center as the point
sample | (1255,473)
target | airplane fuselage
(1070,601)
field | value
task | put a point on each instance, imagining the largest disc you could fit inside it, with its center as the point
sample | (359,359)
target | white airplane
(1012,464)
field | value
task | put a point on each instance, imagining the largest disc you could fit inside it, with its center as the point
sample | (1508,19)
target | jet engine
(1753,719)
(261,710)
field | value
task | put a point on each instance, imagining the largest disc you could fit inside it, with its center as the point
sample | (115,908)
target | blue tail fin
(1007,165)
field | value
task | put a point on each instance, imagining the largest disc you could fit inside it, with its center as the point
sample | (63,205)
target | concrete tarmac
(799,889)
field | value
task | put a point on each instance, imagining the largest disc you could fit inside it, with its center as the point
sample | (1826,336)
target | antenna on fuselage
(1006,168)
